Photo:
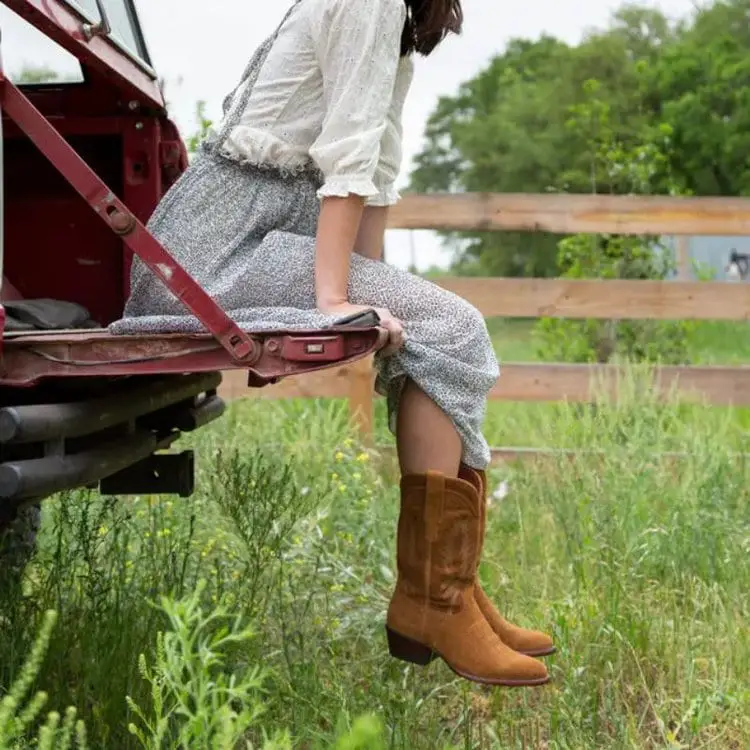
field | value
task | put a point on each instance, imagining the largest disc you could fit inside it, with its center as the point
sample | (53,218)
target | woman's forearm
(338,226)
(371,235)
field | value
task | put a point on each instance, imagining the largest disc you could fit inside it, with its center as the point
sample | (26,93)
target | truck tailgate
(29,357)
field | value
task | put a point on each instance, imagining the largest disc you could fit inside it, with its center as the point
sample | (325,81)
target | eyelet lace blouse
(330,92)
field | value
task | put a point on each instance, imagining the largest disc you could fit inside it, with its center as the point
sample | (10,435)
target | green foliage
(17,720)
(204,126)
(625,169)
(35,75)
(508,129)
(641,572)
(701,85)
(585,256)
(195,701)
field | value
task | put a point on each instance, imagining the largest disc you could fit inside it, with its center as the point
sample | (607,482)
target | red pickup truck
(82,166)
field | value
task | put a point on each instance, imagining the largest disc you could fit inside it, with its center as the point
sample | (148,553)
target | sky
(201,48)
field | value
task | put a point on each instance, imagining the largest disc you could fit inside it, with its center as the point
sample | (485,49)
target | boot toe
(522,670)
(528,642)
(533,643)
(532,669)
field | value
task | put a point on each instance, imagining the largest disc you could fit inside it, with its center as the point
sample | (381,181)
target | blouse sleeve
(358,46)
(391,150)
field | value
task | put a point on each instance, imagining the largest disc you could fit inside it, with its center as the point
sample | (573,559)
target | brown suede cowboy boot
(529,642)
(433,612)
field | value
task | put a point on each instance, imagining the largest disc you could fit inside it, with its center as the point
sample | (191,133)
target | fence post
(361,397)
(683,257)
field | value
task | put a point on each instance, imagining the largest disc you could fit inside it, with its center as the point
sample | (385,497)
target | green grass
(711,342)
(516,424)
(513,339)
(640,569)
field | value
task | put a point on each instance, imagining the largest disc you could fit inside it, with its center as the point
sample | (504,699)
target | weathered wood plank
(720,386)
(604,299)
(361,380)
(551,456)
(571,214)
(333,383)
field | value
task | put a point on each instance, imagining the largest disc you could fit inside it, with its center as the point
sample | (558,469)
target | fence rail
(615,299)
(544,382)
(563,298)
(573,214)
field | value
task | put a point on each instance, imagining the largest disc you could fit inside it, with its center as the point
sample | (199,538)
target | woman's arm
(371,235)
(345,224)
(338,228)
(338,225)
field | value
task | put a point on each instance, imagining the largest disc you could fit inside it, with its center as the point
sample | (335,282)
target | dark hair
(428,22)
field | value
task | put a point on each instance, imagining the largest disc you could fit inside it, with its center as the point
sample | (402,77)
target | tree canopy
(527,122)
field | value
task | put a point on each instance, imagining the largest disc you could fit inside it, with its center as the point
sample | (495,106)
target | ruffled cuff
(387,196)
(341,187)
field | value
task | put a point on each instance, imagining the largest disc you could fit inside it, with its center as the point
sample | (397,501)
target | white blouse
(332,91)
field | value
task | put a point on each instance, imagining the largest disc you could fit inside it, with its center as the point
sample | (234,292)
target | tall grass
(639,565)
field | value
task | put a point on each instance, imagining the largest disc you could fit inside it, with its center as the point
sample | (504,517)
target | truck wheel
(18,533)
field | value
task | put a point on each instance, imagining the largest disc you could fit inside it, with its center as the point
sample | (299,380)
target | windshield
(30,57)
(123,18)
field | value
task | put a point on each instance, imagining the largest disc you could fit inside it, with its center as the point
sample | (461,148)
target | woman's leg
(426,437)
(436,387)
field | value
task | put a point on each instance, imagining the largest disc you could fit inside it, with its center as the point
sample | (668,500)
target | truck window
(29,57)
(124,21)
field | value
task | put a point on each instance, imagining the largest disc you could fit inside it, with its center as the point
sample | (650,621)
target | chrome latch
(103,28)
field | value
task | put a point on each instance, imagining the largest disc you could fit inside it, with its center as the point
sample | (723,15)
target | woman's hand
(393,325)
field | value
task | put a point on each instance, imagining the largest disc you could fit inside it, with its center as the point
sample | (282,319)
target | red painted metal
(62,24)
(75,126)
(56,247)
(124,224)
(28,358)
(8,292)
(142,176)
(2,210)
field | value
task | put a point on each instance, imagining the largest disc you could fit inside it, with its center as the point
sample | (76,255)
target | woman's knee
(468,318)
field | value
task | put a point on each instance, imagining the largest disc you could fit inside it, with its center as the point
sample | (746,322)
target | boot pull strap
(433,507)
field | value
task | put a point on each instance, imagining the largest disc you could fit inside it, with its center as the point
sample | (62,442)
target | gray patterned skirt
(247,235)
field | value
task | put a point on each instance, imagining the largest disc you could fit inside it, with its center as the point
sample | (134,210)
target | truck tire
(18,535)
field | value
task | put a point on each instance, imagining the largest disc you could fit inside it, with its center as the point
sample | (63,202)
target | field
(639,566)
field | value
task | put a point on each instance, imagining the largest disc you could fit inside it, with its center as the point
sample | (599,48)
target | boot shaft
(438,539)
(478,479)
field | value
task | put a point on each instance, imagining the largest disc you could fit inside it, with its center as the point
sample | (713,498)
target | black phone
(365,319)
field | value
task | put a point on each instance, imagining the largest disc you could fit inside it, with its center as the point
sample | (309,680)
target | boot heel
(406,649)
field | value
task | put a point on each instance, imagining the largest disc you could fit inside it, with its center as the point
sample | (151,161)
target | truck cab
(87,153)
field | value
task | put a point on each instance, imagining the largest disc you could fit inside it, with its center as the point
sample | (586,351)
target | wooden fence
(562,298)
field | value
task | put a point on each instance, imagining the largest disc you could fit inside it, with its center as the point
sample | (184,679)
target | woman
(281,219)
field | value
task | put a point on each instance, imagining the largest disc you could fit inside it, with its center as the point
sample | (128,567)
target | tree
(701,86)
(509,128)
(626,169)
(194,140)
(43,74)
